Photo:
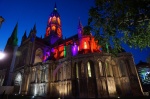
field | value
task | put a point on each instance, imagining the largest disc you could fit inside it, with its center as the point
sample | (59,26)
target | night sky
(30,12)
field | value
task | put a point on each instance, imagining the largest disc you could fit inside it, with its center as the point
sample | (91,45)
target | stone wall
(7,89)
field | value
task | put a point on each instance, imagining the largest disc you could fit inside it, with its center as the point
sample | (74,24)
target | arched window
(77,73)
(54,19)
(89,70)
(53,28)
(82,70)
(59,32)
(122,68)
(58,20)
(38,55)
(85,45)
(18,79)
(100,68)
(74,71)
(127,63)
(108,69)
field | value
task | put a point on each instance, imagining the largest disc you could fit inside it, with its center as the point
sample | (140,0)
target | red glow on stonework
(59,32)
(48,31)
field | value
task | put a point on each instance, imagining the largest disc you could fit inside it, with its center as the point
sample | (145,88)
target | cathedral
(74,67)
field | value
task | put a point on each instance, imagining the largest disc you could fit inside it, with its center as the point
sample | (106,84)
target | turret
(32,34)
(24,37)
(53,30)
(80,30)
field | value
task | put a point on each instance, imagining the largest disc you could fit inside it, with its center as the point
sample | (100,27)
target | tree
(121,21)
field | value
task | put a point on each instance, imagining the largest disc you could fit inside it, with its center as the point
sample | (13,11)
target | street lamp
(2,55)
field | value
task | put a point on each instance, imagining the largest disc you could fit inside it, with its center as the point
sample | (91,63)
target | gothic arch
(90,68)
(108,67)
(100,68)
(122,68)
(18,79)
(75,73)
(38,55)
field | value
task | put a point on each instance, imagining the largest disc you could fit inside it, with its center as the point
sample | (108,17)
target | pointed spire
(34,27)
(13,40)
(80,24)
(14,35)
(80,29)
(55,7)
(30,33)
(25,35)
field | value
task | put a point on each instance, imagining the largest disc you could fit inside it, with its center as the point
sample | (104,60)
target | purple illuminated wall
(74,50)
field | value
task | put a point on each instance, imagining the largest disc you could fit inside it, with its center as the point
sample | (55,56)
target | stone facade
(75,67)
(83,76)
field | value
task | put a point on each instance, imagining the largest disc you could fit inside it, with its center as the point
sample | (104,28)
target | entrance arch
(17,83)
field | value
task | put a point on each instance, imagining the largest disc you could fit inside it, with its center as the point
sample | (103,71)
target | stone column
(36,75)
(43,74)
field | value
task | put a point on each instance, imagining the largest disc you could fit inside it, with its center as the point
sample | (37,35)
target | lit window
(108,69)
(49,20)
(54,19)
(85,45)
(89,69)
(74,50)
(53,28)
(100,68)
(59,32)
(58,20)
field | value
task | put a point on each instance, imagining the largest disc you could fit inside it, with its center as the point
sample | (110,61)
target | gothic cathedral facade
(74,67)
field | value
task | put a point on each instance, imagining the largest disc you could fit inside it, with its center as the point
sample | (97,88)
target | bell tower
(53,30)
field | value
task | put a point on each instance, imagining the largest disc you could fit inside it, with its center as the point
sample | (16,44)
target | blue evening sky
(30,12)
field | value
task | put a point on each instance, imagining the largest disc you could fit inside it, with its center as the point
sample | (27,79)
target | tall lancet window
(85,45)
(82,70)
(89,69)
(77,73)
(122,67)
(108,69)
(100,68)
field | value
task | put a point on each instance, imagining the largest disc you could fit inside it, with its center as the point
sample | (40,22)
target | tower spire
(13,40)
(55,7)
(80,24)
(80,29)
(53,29)
(34,27)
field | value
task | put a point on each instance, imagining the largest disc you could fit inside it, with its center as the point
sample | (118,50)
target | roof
(142,64)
